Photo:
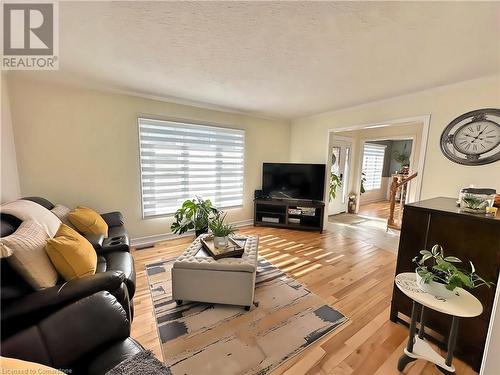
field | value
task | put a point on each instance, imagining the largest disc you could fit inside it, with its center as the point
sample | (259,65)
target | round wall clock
(473,138)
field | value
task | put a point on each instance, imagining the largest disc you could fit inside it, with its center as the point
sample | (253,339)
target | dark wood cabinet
(467,236)
(292,214)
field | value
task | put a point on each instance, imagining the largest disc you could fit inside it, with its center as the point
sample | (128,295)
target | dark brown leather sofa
(88,336)
(21,306)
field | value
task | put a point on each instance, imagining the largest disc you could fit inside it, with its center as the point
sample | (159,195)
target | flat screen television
(294,181)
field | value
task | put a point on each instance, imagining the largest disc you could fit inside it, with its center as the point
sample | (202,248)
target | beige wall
(9,189)
(441,177)
(77,146)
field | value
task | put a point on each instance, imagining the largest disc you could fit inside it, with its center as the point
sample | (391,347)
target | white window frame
(369,185)
(187,124)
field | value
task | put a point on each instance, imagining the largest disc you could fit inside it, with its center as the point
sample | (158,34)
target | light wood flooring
(352,275)
(378,209)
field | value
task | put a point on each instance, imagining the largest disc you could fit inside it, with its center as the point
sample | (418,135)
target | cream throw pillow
(62,212)
(27,210)
(28,256)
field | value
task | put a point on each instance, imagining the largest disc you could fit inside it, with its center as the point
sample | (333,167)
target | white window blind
(373,163)
(180,161)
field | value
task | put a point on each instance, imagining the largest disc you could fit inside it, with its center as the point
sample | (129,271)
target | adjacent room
(243,187)
(364,164)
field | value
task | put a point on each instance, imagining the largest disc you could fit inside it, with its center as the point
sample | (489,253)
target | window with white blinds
(373,164)
(181,160)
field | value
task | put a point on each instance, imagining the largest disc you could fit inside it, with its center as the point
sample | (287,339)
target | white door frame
(340,138)
(423,119)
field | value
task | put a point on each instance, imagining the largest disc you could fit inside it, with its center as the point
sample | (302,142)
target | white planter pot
(220,242)
(434,288)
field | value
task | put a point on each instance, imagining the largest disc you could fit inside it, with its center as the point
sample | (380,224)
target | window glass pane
(373,164)
(180,161)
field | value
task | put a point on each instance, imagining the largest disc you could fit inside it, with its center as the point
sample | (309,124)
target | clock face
(477,138)
(473,138)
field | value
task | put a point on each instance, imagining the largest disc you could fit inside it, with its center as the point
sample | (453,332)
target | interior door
(340,154)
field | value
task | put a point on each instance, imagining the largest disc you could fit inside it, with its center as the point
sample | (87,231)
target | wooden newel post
(394,189)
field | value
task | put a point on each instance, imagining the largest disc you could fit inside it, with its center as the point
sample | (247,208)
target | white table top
(462,304)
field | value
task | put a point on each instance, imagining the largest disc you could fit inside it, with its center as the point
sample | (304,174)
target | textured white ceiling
(278,59)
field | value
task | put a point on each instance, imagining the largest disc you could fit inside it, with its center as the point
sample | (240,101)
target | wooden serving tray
(234,249)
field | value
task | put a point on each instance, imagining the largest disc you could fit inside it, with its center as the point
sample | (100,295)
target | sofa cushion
(122,261)
(101,264)
(110,356)
(72,255)
(29,259)
(27,210)
(113,219)
(87,221)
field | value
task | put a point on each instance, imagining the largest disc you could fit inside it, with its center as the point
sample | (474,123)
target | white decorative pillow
(26,210)
(62,213)
(28,256)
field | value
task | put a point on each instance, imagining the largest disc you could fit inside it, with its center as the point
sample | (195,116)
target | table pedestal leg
(452,340)
(417,348)
(404,359)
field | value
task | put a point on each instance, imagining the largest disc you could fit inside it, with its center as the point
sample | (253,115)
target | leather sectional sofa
(96,340)
(23,307)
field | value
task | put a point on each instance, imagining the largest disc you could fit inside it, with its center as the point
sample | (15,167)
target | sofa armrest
(71,332)
(95,240)
(29,309)
(113,219)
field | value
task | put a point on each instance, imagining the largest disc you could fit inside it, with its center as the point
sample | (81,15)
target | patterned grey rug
(144,363)
(200,338)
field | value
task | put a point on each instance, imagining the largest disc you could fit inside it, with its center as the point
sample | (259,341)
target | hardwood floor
(378,209)
(352,275)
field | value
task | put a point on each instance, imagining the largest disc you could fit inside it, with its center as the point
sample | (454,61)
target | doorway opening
(365,164)
(381,162)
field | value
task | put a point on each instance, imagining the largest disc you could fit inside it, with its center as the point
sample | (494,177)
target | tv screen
(294,181)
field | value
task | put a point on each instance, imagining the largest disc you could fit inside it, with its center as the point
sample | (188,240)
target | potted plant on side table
(220,230)
(193,214)
(438,275)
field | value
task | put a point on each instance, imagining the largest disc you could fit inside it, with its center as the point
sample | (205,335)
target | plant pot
(476,211)
(434,288)
(197,232)
(220,242)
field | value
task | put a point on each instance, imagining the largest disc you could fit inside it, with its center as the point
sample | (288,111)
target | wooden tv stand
(281,213)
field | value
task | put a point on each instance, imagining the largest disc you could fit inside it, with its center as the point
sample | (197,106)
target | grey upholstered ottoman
(196,276)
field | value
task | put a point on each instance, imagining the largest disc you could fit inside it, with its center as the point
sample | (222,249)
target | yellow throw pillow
(87,221)
(71,254)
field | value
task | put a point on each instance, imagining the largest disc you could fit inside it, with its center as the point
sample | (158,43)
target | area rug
(200,338)
(144,363)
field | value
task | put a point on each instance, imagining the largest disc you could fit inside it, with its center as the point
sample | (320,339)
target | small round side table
(461,305)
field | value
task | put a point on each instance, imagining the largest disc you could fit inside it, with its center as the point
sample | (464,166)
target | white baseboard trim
(147,241)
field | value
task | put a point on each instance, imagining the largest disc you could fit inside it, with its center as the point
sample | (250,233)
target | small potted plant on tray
(220,230)
(438,275)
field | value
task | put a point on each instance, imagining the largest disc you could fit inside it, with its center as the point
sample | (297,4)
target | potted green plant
(401,157)
(193,214)
(438,275)
(335,182)
(473,204)
(220,230)
(362,185)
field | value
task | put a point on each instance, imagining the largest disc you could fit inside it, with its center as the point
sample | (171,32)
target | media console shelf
(292,214)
